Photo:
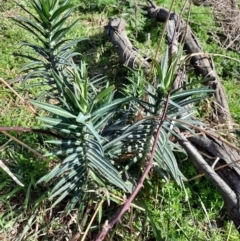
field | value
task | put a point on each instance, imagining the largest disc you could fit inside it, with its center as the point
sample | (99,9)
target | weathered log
(221,181)
(128,54)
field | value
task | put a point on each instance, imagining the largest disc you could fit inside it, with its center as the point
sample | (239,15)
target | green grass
(232,89)
(177,215)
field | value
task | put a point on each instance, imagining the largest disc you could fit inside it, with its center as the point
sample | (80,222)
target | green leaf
(65,143)
(156,230)
(164,156)
(29,65)
(61,33)
(58,122)
(73,99)
(59,11)
(106,93)
(91,128)
(100,211)
(58,33)
(189,93)
(81,118)
(38,49)
(101,164)
(29,13)
(27,22)
(45,8)
(53,109)
(96,178)
(76,197)
(40,11)
(68,179)
(164,66)
(30,30)
(56,26)
(78,183)
(71,43)
(110,106)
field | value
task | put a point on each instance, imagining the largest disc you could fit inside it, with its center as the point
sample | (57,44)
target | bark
(225,180)
(128,54)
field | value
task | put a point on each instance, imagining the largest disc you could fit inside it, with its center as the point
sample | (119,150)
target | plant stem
(126,205)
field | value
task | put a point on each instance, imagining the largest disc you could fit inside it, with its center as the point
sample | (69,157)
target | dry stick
(26,129)
(132,204)
(92,219)
(5,144)
(207,133)
(228,194)
(206,54)
(230,230)
(20,97)
(126,205)
(26,146)
(135,12)
(4,129)
(188,19)
(217,137)
(215,169)
(199,129)
(214,136)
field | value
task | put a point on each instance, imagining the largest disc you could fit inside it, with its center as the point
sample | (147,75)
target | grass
(196,213)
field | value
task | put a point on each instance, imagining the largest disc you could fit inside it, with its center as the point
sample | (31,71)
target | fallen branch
(128,54)
(230,197)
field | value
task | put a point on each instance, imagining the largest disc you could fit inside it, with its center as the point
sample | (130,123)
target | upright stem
(127,203)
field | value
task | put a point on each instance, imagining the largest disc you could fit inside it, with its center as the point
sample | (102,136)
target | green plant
(98,129)
(94,123)
(86,114)
(53,50)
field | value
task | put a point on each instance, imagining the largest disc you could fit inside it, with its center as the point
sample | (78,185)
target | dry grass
(227,15)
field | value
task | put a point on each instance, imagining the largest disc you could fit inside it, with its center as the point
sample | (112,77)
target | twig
(161,36)
(5,144)
(26,129)
(24,145)
(135,18)
(20,97)
(215,169)
(92,219)
(7,170)
(230,230)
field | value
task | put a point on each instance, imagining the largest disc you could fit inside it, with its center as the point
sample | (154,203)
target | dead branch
(230,197)
(128,54)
